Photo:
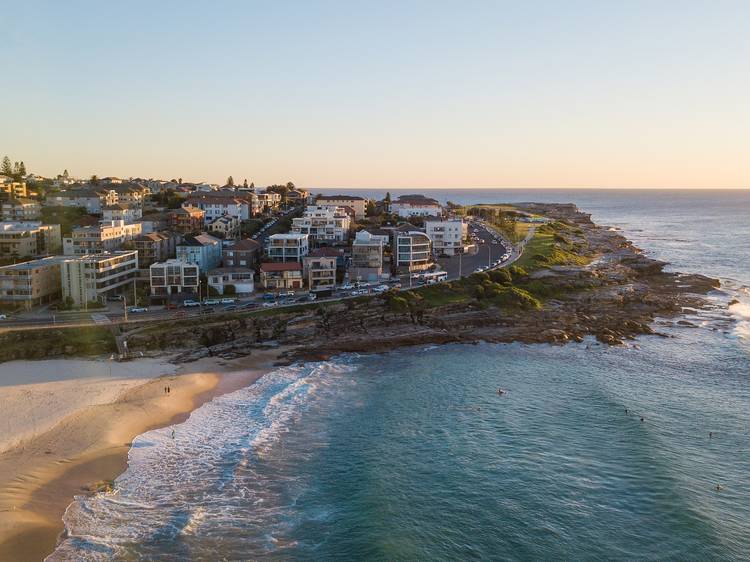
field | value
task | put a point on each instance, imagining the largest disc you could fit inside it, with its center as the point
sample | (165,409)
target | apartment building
(226,227)
(94,277)
(319,269)
(447,236)
(128,213)
(215,206)
(240,279)
(277,276)
(358,204)
(12,187)
(416,206)
(131,194)
(367,256)
(203,250)
(187,219)
(107,236)
(242,253)
(29,238)
(174,277)
(31,283)
(154,247)
(412,249)
(20,209)
(268,200)
(326,223)
(287,247)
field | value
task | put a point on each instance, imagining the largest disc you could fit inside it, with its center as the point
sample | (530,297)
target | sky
(403,93)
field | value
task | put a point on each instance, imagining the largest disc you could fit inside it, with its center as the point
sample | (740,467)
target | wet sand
(82,429)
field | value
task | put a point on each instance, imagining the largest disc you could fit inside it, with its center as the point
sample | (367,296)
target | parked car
(210,302)
(191,303)
(287,294)
(3,317)
(346,287)
(114,298)
(312,296)
(269,304)
(359,292)
(138,309)
(226,300)
(381,288)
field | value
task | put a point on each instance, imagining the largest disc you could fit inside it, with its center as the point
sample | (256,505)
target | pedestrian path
(101,319)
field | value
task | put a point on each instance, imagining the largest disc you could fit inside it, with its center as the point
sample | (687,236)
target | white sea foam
(169,486)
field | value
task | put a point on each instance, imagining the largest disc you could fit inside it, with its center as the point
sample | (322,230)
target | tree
(94,180)
(289,185)
(22,169)
(387,197)
(252,185)
(7,170)
(370,209)
(230,181)
(179,180)
(65,174)
(244,183)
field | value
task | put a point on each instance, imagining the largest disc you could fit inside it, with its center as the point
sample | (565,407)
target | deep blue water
(413,455)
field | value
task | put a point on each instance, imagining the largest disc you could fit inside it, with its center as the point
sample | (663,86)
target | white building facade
(323,224)
(287,247)
(447,236)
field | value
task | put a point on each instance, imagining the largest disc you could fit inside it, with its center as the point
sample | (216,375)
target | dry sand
(64,433)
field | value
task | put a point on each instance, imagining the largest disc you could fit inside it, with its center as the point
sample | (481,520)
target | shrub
(500,276)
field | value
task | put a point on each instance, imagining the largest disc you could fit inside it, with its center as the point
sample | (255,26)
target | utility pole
(460,259)
(125,306)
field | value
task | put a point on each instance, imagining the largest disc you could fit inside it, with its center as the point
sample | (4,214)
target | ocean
(593,453)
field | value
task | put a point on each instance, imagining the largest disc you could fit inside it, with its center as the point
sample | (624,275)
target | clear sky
(599,93)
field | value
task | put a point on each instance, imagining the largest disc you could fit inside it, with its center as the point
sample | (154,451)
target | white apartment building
(94,277)
(241,278)
(287,247)
(323,223)
(21,209)
(447,236)
(217,206)
(106,237)
(415,206)
(29,238)
(174,277)
(93,200)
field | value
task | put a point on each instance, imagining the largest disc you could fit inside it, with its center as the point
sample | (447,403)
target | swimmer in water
(500,391)
(642,418)
(626,410)
(710,434)
(719,487)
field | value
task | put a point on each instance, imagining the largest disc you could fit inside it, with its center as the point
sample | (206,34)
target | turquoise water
(413,455)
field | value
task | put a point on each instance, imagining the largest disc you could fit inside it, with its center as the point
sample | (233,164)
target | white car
(359,292)
(211,302)
(228,301)
(3,317)
(270,304)
(346,287)
(191,303)
(479,270)
(381,289)
(138,309)
(287,294)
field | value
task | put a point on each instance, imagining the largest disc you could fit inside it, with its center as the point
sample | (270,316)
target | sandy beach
(66,428)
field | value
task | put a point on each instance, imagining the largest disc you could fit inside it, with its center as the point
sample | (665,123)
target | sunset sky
(382,94)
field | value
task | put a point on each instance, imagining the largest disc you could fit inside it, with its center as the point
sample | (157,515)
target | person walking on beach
(173,433)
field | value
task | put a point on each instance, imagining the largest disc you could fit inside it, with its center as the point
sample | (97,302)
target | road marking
(101,318)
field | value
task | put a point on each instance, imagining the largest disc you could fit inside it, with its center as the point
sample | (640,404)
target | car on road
(359,292)
(346,287)
(3,317)
(479,270)
(270,304)
(190,303)
(287,294)
(211,302)
(114,298)
(381,289)
(227,301)
(138,309)
(312,296)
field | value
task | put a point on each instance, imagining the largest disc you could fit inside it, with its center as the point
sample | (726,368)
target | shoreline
(88,447)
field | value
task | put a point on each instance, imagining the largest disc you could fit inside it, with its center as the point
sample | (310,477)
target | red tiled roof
(283,266)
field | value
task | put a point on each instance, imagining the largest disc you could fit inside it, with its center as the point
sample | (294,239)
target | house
(268,200)
(226,227)
(155,247)
(367,256)
(203,250)
(326,224)
(319,269)
(107,236)
(128,213)
(359,204)
(187,220)
(275,276)
(287,247)
(412,248)
(239,278)
(297,195)
(12,187)
(447,235)
(416,206)
(174,278)
(29,238)
(215,206)
(90,197)
(94,277)
(242,253)
(21,209)
(131,194)
(31,283)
